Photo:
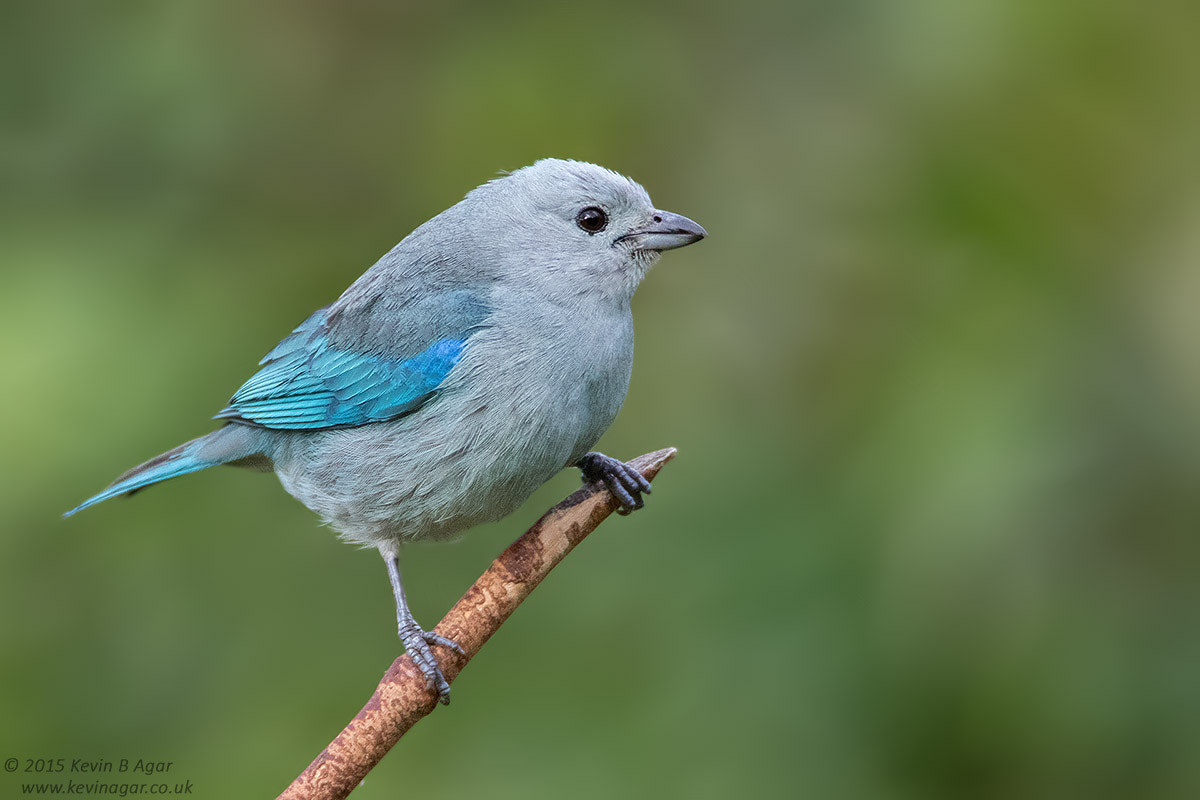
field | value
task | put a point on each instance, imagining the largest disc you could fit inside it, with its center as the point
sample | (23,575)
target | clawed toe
(626,483)
(417,644)
(433,638)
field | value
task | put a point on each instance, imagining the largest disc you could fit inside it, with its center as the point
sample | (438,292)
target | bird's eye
(592,219)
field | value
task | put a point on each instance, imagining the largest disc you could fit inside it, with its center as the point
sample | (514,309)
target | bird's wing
(314,379)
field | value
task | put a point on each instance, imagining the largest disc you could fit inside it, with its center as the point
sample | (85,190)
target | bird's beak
(665,231)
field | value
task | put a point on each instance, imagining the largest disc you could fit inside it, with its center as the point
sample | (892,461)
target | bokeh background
(934,379)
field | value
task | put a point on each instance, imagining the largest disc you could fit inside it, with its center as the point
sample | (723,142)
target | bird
(477,358)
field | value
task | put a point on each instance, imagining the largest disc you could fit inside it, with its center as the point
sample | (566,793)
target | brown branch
(402,699)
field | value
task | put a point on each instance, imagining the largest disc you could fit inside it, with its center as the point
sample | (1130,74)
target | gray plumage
(488,350)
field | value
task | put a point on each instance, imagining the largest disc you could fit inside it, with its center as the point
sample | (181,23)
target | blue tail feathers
(171,464)
(231,443)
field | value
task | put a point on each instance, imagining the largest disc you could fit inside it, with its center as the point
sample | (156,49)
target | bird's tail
(228,444)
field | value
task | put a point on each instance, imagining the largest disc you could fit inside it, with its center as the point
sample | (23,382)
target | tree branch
(402,699)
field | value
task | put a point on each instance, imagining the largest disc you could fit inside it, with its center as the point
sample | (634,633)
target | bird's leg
(625,482)
(416,640)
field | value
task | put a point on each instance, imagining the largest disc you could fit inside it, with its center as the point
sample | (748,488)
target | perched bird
(484,353)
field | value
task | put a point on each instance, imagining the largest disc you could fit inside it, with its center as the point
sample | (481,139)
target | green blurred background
(934,379)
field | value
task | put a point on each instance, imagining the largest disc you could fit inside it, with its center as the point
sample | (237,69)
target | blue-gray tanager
(484,353)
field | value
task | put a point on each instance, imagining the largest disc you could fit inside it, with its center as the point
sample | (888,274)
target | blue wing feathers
(307,382)
(296,343)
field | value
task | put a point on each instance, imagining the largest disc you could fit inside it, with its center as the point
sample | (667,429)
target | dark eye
(592,219)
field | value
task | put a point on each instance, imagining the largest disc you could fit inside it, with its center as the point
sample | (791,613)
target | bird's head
(580,227)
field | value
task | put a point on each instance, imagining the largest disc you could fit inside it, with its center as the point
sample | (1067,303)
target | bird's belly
(468,457)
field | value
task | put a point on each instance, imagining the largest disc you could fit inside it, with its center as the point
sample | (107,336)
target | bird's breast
(532,393)
(560,375)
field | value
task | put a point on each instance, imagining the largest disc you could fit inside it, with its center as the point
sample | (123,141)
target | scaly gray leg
(416,640)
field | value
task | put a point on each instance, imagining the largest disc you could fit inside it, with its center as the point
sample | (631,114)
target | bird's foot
(625,482)
(416,643)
